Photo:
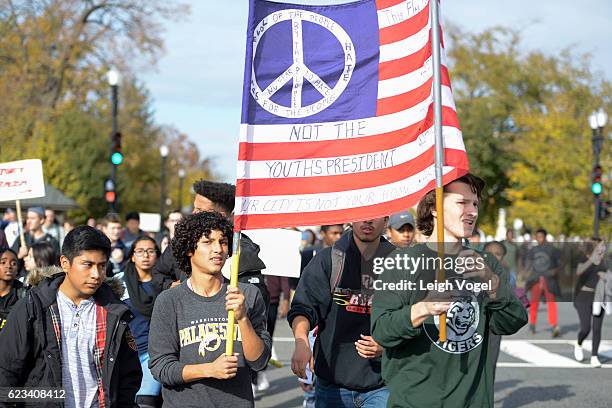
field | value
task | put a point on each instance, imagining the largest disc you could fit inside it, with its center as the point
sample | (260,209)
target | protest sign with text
(22,179)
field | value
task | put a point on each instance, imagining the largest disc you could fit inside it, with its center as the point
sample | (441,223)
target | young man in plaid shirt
(71,332)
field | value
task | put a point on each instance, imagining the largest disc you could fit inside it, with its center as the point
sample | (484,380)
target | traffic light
(116,155)
(109,191)
(596,186)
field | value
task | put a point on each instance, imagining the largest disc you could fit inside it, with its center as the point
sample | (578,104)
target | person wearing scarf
(140,296)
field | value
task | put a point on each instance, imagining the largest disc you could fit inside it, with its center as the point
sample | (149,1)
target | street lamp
(163,152)
(181,174)
(113,78)
(597,122)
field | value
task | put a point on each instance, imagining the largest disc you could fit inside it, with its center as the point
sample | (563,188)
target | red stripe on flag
(405,65)
(340,147)
(258,221)
(405,29)
(346,182)
(383,4)
(407,100)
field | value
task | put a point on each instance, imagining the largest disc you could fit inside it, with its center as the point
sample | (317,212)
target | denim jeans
(148,385)
(332,396)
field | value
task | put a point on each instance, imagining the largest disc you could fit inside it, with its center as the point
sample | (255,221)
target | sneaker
(595,363)
(578,352)
(262,382)
(556,331)
(532,328)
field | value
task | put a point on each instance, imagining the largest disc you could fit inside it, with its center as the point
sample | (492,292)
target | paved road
(534,371)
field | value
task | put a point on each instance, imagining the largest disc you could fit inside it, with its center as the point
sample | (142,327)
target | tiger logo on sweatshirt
(462,320)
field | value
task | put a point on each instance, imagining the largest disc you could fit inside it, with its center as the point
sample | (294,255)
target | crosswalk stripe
(529,365)
(538,356)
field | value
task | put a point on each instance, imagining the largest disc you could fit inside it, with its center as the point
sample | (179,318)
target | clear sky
(197,85)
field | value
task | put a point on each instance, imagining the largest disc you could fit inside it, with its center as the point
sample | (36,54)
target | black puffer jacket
(30,355)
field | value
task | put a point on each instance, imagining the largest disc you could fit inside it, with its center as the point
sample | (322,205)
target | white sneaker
(262,382)
(578,352)
(595,363)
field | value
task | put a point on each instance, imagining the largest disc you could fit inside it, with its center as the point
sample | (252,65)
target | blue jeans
(331,396)
(148,385)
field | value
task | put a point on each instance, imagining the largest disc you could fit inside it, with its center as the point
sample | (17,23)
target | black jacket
(31,357)
(336,359)
(166,270)
(7,302)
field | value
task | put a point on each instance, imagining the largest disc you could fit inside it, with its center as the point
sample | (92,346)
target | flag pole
(439,145)
(229,338)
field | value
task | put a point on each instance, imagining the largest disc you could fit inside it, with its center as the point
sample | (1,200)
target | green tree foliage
(56,103)
(524,122)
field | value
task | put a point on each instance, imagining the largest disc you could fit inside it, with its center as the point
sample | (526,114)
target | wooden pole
(440,276)
(229,339)
(20,221)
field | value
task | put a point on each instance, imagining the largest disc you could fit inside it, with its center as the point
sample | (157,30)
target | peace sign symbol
(298,71)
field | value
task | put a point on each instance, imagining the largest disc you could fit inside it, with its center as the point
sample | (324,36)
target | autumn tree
(54,55)
(523,117)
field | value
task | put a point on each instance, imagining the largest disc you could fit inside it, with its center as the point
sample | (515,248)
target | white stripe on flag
(332,130)
(308,203)
(314,166)
(400,12)
(407,82)
(405,47)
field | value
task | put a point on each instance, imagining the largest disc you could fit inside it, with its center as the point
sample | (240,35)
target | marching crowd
(120,317)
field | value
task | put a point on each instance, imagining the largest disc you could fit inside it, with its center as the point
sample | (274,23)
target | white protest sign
(150,222)
(279,250)
(21,179)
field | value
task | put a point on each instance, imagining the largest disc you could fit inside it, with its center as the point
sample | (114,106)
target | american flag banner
(337,113)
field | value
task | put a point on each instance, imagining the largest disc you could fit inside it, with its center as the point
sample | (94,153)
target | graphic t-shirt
(187,328)
(544,259)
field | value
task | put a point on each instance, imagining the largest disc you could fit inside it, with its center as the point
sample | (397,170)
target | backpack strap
(337,260)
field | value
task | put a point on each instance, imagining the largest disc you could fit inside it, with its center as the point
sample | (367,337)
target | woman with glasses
(140,296)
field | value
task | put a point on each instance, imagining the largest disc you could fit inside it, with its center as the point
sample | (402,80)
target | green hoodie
(418,369)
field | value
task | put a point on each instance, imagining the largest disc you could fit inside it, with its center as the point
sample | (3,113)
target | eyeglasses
(142,252)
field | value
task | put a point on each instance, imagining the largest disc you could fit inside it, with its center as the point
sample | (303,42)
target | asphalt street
(534,371)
